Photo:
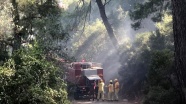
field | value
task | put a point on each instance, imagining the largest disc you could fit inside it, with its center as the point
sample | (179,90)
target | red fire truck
(81,75)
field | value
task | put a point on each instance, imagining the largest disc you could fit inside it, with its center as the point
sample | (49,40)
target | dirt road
(100,102)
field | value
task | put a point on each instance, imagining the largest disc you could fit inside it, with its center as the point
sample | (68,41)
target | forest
(140,42)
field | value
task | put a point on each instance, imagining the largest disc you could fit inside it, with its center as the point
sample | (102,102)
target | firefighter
(116,89)
(110,91)
(95,90)
(101,90)
(92,90)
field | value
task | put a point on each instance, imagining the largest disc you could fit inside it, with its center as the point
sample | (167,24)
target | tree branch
(106,2)
(107,24)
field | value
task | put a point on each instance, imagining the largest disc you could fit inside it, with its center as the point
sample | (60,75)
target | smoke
(108,55)
(111,66)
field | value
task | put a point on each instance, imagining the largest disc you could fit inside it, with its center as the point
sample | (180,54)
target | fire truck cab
(82,75)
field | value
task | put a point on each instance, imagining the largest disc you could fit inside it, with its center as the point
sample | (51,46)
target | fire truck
(81,76)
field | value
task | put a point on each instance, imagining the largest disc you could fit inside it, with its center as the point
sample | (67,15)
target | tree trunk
(179,30)
(16,33)
(106,23)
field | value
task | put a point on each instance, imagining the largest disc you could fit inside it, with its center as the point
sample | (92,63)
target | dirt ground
(102,102)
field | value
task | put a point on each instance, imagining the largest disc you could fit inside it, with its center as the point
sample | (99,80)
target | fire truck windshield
(85,66)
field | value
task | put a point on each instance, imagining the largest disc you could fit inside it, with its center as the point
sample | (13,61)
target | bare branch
(87,13)
(106,2)
(107,24)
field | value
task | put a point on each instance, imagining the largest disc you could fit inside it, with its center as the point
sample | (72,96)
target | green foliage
(165,28)
(117,16)
(146,9)
(3,56)
(160,89)
(135,64)
(161,66)
(28,78)
(148,49)
(91,42)
(159,95)
(33,17)
(157,41)
(6,26)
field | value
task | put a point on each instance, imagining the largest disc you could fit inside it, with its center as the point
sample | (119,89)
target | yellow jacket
(116,86)
(101,86)
(111,87)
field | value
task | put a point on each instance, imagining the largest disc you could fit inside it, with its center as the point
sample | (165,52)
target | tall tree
(108,26)
(16,33)
(150,9)
(179,30)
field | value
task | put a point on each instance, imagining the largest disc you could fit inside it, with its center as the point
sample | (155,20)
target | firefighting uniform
(116,88)
(101,90)
(111,91)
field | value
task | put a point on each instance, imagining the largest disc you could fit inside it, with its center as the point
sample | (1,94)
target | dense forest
(140,42)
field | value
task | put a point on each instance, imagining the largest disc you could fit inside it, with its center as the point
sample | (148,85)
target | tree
(41,20)
(91,43)
(101,7)
(5,29)
(179,23)
(159,88)
(150,9)
(29,78)
(16,19)
(26,75)
(136,60)
(110,31)
(179,30)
